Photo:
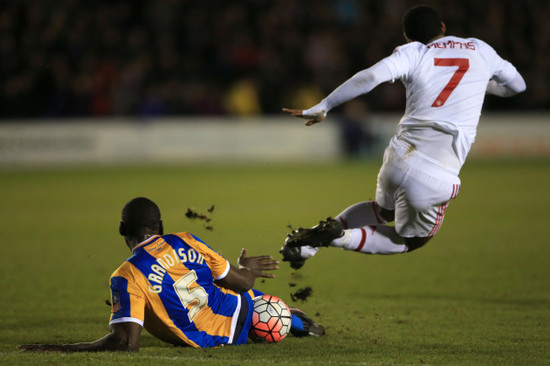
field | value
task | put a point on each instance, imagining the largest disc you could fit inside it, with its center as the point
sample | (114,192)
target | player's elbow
(522,87)
(365,80)
(517,85)
(246,282)
(238,280)
(123,337)
(123,344)
(132,348)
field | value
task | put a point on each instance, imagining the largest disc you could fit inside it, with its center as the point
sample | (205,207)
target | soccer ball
(271,319)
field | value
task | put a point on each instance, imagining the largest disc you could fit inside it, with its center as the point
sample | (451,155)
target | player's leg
(380,211)
(404,194)
(373,237)
(363,214)
(303,326)
(358,215)
(418,216)
(379,239)
(409,191)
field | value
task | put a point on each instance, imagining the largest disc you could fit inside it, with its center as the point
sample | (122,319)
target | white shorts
(416,188)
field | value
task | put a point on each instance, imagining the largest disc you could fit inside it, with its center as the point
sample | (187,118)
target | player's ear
(122,229)
(443,28)
(161,228)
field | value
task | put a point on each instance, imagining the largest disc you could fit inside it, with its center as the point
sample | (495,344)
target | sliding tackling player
(180,290)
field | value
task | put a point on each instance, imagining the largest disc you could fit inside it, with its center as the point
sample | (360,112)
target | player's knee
(415,243)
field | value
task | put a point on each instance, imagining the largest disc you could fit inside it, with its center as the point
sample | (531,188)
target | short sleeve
(217,263)
(128,305)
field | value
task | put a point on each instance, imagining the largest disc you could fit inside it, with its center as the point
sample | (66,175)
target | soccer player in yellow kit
(179,289)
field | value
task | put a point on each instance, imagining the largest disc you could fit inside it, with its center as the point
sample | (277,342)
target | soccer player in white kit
(446,79)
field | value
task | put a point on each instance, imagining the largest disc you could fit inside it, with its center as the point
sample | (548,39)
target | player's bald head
(140,214)
(422,24)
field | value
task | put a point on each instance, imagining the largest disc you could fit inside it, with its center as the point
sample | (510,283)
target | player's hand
(311,120)
(257,265)
(42,347)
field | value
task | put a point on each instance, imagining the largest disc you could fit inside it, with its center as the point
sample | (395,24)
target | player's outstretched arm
(360,83)
(123,337)
(249,268)
(312,118)
(257,265)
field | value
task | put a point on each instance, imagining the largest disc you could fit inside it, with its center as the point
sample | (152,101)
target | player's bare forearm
(249,268)
(237,279)
(123,337)
(107,343)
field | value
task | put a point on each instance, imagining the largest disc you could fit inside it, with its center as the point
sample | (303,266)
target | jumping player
(180,290)
(446,79)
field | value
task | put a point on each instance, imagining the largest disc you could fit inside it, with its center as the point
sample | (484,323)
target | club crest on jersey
(116,302)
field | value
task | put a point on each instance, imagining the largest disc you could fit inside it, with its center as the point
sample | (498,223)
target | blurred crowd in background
(71,58)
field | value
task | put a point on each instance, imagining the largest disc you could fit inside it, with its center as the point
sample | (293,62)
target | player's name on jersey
(158,270)
(454,44)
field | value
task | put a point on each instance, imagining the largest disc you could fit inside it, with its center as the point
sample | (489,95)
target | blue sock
(257,293)
(297,323)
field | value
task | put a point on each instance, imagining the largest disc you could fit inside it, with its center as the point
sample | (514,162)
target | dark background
(71,58)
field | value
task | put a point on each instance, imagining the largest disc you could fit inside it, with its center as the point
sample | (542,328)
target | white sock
(308,251)
(379,239)
(356,216)
(361,214)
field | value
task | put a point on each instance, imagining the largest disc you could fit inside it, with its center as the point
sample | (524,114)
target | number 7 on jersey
(463,66)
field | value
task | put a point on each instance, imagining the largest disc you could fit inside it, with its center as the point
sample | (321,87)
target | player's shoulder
(411,47)
(483,49)
(124,270)
(407,54)
(192,240)
(480,43)
(477,41)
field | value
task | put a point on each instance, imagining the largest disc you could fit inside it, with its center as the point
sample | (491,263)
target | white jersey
(445,84)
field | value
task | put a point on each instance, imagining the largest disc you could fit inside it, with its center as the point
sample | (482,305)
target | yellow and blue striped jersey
(167,286)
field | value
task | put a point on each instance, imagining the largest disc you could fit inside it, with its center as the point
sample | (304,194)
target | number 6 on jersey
(463,66)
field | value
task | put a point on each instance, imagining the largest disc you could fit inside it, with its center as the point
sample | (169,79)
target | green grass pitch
(478,294)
